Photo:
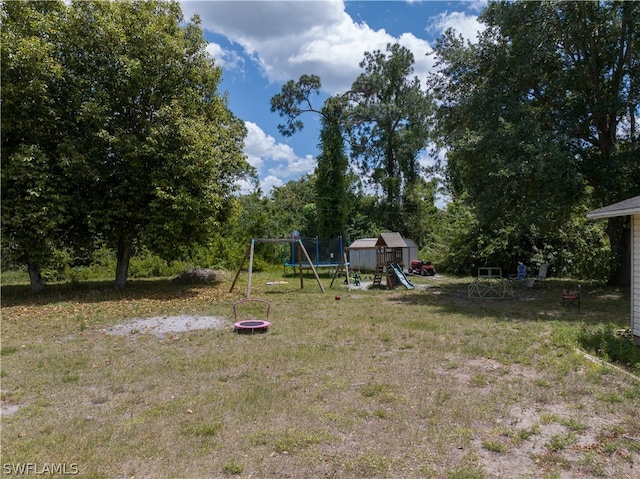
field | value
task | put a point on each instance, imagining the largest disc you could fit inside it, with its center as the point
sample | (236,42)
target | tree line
(538,119)
(113,132)
(116,137)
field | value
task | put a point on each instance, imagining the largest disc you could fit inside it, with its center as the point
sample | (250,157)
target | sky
(262,44)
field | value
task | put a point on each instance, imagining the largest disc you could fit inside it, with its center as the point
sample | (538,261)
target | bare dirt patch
(9,409)
(160,326)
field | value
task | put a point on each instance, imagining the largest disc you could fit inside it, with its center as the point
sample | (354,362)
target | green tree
(163,151)
(532,116)
(294,100)
(124,136)
(385,117)
(289,207)
(333,181)
(420,213)
(34,199)
(455,239)
(292,207)
(388,123)
(366,218)
(33,211)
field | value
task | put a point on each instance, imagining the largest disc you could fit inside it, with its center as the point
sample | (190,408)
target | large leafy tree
(539,114)
(420,213)
(332,178)
(388,123)
(34,195)
(151,151)
(384,117)
(292,207)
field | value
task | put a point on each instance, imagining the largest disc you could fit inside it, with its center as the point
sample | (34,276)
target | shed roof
(391,240)
(622,208)
(410,243)
(370,243)
(363,243)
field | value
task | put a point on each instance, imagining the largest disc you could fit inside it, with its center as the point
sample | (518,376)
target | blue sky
(262,44)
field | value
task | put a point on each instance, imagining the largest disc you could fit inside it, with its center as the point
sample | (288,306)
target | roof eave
(596,215)
(627,207)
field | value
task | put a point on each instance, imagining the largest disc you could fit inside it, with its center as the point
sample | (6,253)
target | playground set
(389,264)
(389,249)
(295,243)
(322,253)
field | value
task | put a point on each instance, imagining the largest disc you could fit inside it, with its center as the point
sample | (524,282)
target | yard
(422,383)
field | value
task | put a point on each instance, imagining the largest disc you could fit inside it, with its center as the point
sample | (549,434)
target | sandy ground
(160,326)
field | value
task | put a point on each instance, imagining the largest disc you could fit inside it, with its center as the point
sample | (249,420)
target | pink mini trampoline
(251,325)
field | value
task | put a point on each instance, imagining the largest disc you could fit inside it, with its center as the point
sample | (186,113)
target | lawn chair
(571,297)
(542,272)
(521,274)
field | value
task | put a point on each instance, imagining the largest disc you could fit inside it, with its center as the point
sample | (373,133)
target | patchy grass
(423,383)
(612,344)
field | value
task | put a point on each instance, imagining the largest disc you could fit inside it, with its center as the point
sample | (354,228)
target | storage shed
(409,253)
(630,207)
(362,252)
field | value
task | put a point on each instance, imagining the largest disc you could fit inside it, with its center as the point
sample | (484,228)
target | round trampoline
(251,326)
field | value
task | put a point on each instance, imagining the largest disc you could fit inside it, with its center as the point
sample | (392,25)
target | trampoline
(251,325)
(323,253)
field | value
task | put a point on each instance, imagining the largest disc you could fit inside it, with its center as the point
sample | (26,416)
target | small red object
(337,298)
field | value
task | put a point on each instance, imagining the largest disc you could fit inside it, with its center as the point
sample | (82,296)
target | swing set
(294,242)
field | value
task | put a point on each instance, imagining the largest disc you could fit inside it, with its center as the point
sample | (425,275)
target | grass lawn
(422,383)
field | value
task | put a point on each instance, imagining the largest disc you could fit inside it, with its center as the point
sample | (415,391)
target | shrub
(195,276)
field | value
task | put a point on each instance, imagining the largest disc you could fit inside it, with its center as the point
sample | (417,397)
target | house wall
(635,276)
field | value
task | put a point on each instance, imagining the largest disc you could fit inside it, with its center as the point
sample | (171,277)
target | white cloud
(246,187)
(464,24)
(477,5)
(298,166)
(277,159)
(269,183)
(426,160)
(258,146)
(228,59)
(288,39)
(262,20)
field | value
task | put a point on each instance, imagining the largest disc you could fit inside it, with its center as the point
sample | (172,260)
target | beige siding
(635,277)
